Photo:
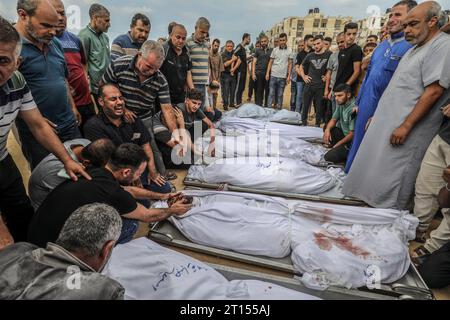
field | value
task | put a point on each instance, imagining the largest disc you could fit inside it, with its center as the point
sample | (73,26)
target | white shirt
(281,62)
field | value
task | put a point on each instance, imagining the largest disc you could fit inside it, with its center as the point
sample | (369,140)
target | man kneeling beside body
(69,268)
(340,129)
(126,165)
(189,116)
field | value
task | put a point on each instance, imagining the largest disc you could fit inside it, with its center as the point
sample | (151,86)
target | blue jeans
(166,188)
(299,98)
(202,88)
(276,85)
(293,94)
(129,229)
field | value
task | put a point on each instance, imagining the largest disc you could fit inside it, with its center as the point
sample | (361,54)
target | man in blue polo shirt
(45,70)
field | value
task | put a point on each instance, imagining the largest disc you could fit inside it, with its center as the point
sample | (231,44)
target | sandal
(419,255)
(171,176)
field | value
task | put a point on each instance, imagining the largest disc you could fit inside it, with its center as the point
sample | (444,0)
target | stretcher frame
(410,287)
(317,198)
(333,293)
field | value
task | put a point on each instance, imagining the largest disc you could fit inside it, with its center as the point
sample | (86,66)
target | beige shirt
(216,66)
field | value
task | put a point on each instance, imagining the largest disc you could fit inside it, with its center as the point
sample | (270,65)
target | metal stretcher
(203,185)
(410,287)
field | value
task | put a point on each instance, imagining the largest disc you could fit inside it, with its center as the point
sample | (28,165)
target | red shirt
(75,59)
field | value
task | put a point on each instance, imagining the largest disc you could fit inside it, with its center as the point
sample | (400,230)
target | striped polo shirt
(124,45)
(15,96)
(139,97)
(199,53)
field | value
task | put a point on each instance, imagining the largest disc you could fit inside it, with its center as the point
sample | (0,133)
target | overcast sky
(229,18)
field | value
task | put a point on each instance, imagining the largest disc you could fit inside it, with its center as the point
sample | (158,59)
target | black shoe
(232,106)
(225,108)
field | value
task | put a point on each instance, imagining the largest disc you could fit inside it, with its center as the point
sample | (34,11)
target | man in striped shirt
(199,52)
(145,91)
(16,100)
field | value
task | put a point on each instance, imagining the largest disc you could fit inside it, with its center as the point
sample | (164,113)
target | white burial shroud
(273,174)
(149,271)
(263,145)
(234,125)
(251,110)
(330,244)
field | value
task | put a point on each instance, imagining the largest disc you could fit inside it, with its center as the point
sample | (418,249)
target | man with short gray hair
(145,91)
(70,268)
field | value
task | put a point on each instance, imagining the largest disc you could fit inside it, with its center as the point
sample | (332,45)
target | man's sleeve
(86,42)
(163,93)
(200,114)
(27,98)
(351,125)
(145,135)
(435,66)
(82,52)
(445,79)
(337,114)
(123,202)
(272,55)
(306,63)
(110,76)
(93,131)
(357,55)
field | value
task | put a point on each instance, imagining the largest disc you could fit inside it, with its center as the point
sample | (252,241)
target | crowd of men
(102,126)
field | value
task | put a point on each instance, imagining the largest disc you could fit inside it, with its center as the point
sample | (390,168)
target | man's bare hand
(399,136)
(73,168)
(307,79)
(130,117)
(179,208)
(446,175)
(78,117)
(446,111)
(156,178)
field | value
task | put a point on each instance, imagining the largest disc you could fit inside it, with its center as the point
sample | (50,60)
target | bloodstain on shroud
(326,242)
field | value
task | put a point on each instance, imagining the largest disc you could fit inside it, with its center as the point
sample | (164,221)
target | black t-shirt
(99,127)
(315,66)
(298,61)
(227,56)
(242,54)
(69,196)
(262,60)
(175,69)
(346,59)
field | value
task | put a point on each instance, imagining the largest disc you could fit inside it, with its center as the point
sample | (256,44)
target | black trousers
(436,269)
(15,205)
(261,90)
(241,81)
(310,95)
(339,154)
(228,89)
(251,88)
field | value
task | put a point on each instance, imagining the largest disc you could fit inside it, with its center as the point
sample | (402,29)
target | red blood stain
(325,242)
